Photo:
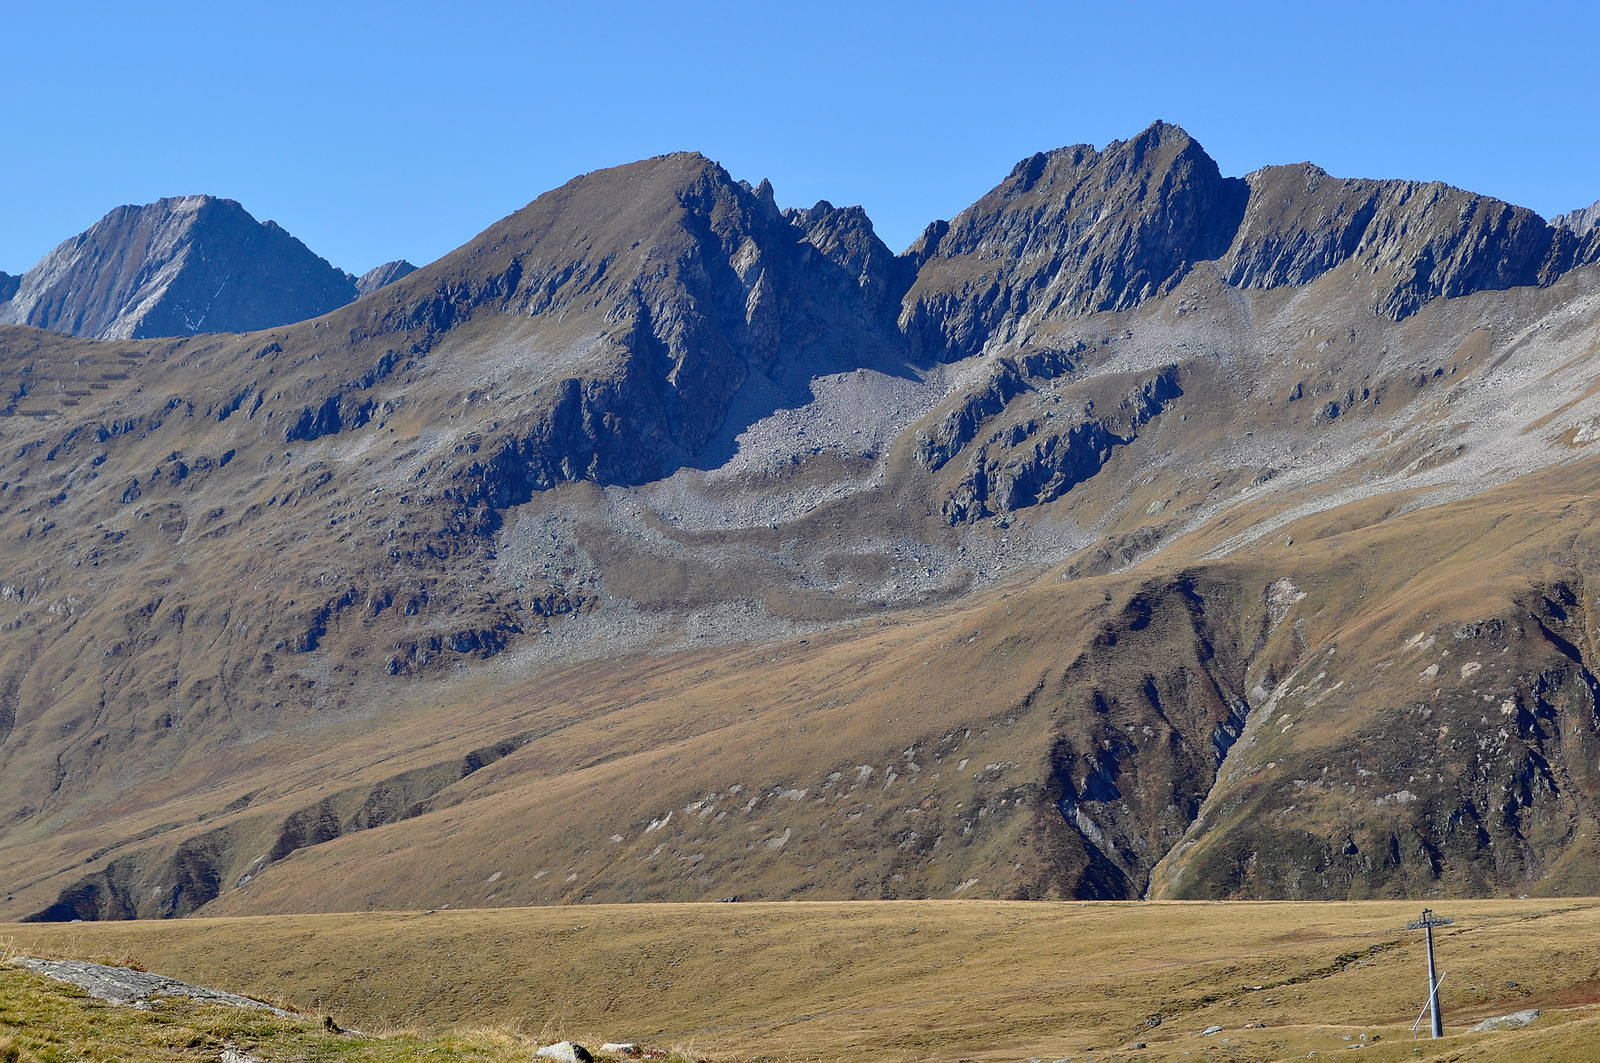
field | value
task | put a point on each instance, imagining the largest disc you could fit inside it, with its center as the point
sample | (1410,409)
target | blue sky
(375,131)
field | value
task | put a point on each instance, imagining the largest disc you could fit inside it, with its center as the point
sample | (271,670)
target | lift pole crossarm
(1429,920)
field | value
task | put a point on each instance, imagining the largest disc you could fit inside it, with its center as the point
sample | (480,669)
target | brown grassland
(918,980)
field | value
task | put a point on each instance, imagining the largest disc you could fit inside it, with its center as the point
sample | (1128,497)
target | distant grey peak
(177,267)
(1580,221)
(8,286)
(378,276)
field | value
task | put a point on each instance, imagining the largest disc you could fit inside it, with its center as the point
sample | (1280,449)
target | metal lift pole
(1427,923)
(1433,989)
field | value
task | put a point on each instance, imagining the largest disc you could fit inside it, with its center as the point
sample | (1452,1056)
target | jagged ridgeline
(1140,531)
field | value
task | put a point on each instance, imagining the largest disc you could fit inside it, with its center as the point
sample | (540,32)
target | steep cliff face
(845,237)
(1076,231)
(8,288)
(1415,241)
(176,267)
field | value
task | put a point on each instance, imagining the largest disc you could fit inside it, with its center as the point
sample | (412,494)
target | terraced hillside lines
(911,981)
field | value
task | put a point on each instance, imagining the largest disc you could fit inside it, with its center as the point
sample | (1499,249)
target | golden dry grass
(625,742)
(938,980)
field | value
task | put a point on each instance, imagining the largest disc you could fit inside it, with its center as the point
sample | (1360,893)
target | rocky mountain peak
(845,236)
(1582,222)
(176,267)
(656,292)
(379,276)
(1073,231)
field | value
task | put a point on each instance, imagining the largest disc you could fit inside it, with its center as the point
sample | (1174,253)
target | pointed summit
(176,267)
(378,276)
(1074,230)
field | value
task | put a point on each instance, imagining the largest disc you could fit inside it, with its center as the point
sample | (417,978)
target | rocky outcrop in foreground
(128,985)
(176,267)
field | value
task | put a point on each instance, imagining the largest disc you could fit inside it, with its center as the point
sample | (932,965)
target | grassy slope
(44,1021)
(628,741)
(863,697)
(904,981)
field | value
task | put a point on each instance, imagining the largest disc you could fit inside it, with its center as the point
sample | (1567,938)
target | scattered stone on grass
(566,1052)
(1507,1022)
(1209,1030)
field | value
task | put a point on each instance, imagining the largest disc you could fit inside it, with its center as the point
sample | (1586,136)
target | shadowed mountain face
(1141,531)
(176,267)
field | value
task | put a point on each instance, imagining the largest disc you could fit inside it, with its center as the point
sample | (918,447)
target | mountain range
(1138,532)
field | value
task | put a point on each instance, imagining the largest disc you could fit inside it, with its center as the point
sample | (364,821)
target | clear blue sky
(375,131)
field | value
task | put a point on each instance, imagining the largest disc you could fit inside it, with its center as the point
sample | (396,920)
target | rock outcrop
(1581,221)
(1032,462)
(128,985)
(1515,1021)
(176,267)
(8,288)
(378,276)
